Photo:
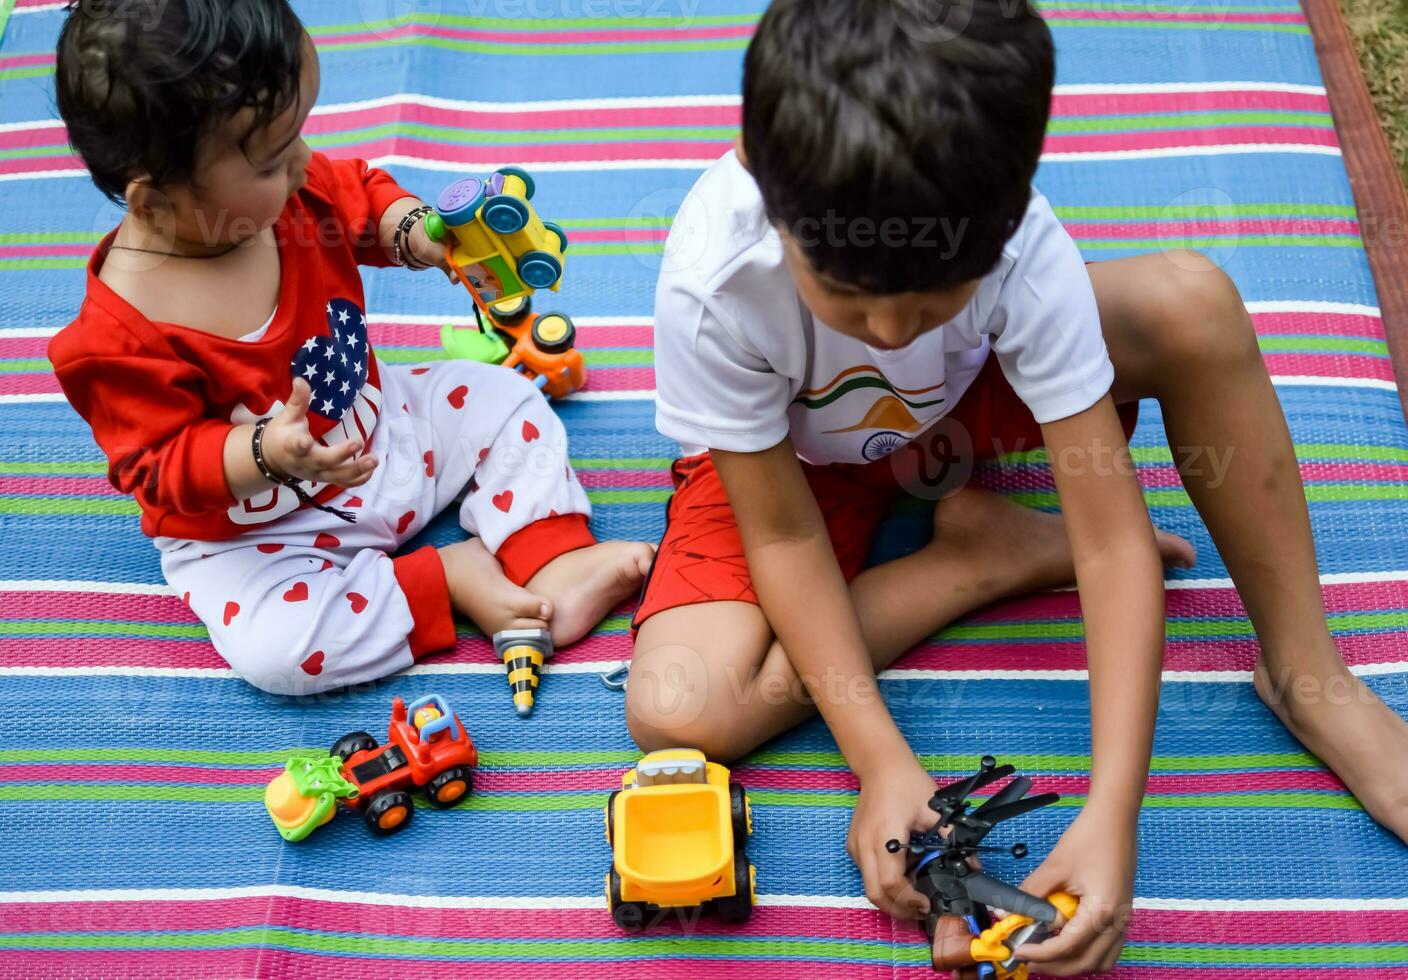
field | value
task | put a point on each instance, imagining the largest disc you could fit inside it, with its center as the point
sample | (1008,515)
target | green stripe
(472,949)
(529,23)
(445,134)
(95,627)
(950,764)
(7,7)
(1125,122)
(1270,800)
(17,265)
(1220,241)
(1346,345)
(1292,955)
(1072,629)
(1093,212)
(1314,492)
(31,71)
(1160,8)
(1152,455)
(50,238)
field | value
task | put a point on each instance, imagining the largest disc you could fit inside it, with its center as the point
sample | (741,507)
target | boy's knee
(666,711)
(1200,315)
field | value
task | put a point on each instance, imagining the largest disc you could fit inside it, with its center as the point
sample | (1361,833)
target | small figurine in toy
(943,874)
(501,252)
(678,831)
(523,653)
(427,748)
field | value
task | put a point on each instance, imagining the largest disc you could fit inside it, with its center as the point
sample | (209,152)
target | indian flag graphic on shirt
(877,406)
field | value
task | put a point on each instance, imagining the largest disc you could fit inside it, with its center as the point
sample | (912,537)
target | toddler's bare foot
(586,584)
(1337,717)
(1022,548)
(479,590)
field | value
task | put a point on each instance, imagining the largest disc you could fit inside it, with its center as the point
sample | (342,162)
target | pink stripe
(632,235)
(1136,103)
(1373,366)
(1320,324)
(26,60)
(427,335)
(704,116)
(1176,138)
(130,773)
(1184,16)
(25,165)
(1164,476)
(677,34)
(45,251)
(1255,226)
(110,652)
(529,153)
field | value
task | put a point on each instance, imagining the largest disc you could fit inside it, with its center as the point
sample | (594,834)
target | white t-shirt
(741,362)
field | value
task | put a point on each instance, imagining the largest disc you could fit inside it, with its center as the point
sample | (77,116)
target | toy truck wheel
(627,915)
(352,743)
(529,187)
(737,907)
(450,787)
(539,269)
(554,333)
(556,229)
(389,812)
(738,810)
(505,214)
(512,311)
(611,817)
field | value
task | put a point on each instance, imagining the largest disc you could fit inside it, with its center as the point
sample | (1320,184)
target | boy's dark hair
(916,114)
(138,92)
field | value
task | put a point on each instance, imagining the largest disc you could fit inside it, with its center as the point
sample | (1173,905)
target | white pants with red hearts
(308,602)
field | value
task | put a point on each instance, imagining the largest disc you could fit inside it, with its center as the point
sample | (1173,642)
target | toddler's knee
(275,668)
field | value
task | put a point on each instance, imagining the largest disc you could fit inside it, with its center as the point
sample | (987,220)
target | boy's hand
(291,450)
(894,800)
(1094,861)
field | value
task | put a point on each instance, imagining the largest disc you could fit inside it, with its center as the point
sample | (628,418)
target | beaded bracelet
(288,481)
(400,251)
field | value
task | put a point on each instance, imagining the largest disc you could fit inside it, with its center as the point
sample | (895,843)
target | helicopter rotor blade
(1000,895)
(1008,811)
(1010,793)
(960,790)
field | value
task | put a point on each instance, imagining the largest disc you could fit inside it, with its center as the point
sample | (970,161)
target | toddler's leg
(290,621)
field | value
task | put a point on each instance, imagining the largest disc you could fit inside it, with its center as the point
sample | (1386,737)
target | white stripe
(1310,306)
(644,395)
(44,175)
(430,319)
(1307,381)
(577,902)
(560,166)
(56,396)
(1227,149)
(42,8)
(899,674)
(20,333)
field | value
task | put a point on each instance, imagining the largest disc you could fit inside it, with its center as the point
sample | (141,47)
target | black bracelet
(401,253)
(293,483)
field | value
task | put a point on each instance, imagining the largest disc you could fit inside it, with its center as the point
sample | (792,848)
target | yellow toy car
(678,831)
(490,224)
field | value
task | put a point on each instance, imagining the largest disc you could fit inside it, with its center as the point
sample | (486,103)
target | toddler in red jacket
(221,358)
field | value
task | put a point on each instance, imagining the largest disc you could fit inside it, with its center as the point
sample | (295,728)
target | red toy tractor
(426,748)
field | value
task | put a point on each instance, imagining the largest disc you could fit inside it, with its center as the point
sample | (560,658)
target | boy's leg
(711,676)
(1177,331)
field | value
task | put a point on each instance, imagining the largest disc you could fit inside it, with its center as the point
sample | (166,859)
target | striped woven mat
(132,837)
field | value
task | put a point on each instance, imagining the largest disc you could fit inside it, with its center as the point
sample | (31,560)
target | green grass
(1380,31)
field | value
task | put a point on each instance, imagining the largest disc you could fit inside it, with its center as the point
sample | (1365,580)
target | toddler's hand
(893,801)
(427,252)
(291,450)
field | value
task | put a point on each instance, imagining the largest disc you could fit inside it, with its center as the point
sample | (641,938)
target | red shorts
(701,559)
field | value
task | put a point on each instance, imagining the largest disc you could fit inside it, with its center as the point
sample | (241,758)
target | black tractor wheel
(738,906)
(389,812)
(352,743)
(611,817)
(450,787)
(512,311)
(738,810)
(627,915)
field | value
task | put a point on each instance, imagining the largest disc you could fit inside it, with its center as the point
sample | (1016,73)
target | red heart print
(456,397)
(504,500)
(326,540)
(313,666)
(405,408)
(271,549)
(232,609)
(326,565)
(429,458)
(353,502)
(419,370)
(483,455)
(298,593)
(359,601)
(530,431)
(405,521)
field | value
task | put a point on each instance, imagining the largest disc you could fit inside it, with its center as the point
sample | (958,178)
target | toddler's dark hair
(138,92)
(861,112)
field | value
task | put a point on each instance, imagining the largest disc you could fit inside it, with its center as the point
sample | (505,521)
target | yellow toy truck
(678,830)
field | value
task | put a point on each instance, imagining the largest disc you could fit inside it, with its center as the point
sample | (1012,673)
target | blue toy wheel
(539,269)
(556,229)
(529,187)
(505,214)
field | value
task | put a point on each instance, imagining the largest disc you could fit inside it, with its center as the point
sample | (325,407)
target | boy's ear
(144,200)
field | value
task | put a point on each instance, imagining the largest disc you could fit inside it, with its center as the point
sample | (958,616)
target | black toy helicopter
(942,872)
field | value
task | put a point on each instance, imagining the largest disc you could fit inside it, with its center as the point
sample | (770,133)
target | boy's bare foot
(586,584)
(1336,716)
(479,590)
(1027,548)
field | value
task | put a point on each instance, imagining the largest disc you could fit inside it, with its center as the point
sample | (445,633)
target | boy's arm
(805,598)
(1120,579)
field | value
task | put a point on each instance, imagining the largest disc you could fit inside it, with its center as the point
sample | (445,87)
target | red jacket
(161,398)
